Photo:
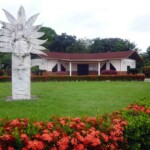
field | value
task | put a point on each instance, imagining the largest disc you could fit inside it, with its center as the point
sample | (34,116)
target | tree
(49,35)
(61,43)
(111,44)
(81,46)
(146,57)
(5,61)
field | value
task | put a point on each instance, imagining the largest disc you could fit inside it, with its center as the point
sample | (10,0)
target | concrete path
(147,80)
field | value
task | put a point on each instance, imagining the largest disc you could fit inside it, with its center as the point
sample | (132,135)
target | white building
(57,63)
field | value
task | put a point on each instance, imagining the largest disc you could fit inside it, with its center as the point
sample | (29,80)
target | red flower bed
(64,133)
(139,108)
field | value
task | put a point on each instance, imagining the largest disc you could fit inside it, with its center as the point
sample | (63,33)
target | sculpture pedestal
(21,77)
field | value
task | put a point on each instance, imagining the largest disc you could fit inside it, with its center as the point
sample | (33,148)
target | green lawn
(72,98)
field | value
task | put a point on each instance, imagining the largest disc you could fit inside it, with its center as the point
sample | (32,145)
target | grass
(72,99)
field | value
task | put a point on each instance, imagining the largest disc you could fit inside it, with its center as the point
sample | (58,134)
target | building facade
(56,63)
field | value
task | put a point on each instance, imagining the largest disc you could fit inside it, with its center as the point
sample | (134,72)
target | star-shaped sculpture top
(19,36)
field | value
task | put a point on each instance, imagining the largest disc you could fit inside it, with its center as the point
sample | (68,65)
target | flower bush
(64,133)
(137,131)
(140,77)
(125,129)
(1,72)
(109,72)
(146,71)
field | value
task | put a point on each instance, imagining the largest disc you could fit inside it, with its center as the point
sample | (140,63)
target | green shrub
(146,71)
(137,131)
(133,71)
(5,78)
(1,72)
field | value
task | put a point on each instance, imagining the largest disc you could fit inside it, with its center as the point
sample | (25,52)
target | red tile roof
(92,56)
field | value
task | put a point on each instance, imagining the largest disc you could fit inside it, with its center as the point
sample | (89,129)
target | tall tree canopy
(61,43)
(146,57)
(5,61)
(80,46)
(111,44)
(49,35)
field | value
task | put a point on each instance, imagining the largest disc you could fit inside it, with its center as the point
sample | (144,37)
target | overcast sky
(126,19)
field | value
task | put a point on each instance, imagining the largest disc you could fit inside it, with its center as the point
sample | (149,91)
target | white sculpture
(19,37)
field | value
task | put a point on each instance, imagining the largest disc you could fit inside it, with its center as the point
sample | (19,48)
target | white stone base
(9,98)
(21,79)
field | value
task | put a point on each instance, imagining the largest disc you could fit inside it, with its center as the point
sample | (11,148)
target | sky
(126,19)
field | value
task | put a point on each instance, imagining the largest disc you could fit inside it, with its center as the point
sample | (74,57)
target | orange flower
(79,137)
(79,147)
(46,131)
(112,147)
(7,137)
(63,143)
(53,148)
(96,142)
(35,145)
(47,137)
(76,119)
(11,148)
(24,137)
(105,137)
(148,111)
(55,134)
(39,124)
(74,141)
(50,125)
(15,122)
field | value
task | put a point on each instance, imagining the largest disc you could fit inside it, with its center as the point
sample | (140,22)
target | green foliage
(1,72)
(133,71)
(111,45)
(49,35)
(146,57)
(146,71)
(18,142)
(35,70)
(78,47)
(5,61)
(5,78)
(61,43)
(138,130)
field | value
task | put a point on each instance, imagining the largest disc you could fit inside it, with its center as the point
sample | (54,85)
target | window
(103,67)
(54,69)
(128,69)
(112,67)
(63,68)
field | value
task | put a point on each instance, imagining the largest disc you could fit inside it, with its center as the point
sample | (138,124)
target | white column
(99,68)
(108,65)
(70,69)
(120,66)
(59,67)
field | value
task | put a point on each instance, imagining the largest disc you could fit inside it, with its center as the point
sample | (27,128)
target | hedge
(140,77)
(125,129)
(90,78)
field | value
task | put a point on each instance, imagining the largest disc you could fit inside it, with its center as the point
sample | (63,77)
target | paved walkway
(147,80)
